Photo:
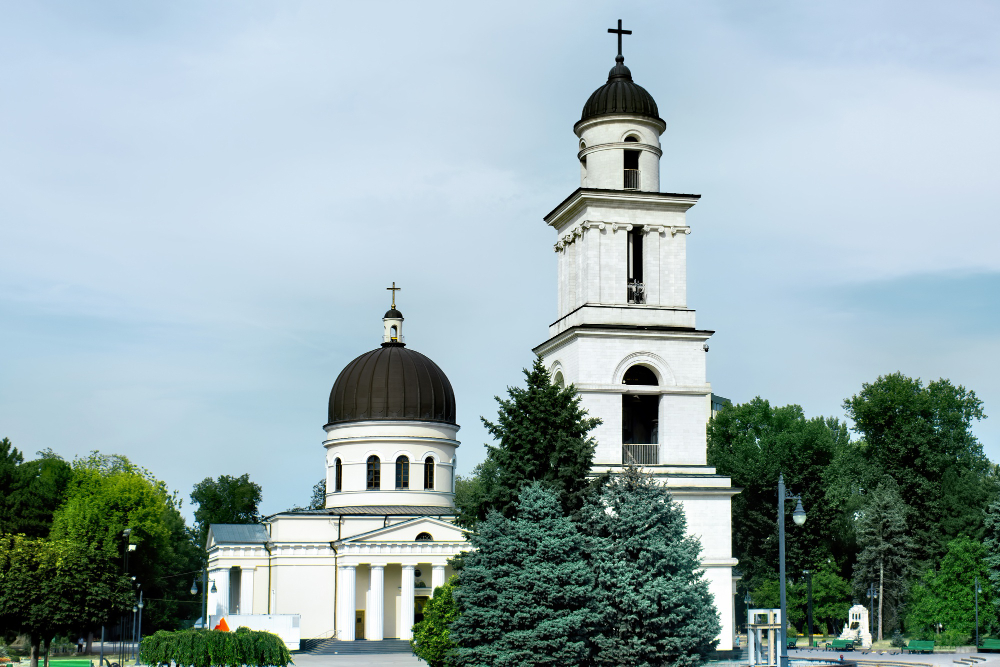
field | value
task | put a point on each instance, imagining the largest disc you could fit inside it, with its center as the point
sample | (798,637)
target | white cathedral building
(362,567)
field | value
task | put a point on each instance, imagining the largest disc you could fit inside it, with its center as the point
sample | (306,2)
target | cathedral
(624,336)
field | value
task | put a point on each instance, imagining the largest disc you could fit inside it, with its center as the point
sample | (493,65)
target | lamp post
(135,610)
(139,648)
(747,600)
(204,595)
(872,594)
(799,516)
(978,591)
(809,607)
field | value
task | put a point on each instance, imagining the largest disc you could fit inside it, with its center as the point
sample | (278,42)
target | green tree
(39,488)
(224,500)
(754,442)
(654,602)
(56,586)
(527,591)
(991,545)
(432,641)
(473,493)
(831,598)
(318,499)
(106,495)
(885,558)
(946,595)
(922,437)
(543,436)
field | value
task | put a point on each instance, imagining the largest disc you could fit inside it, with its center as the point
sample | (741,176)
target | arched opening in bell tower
(635,287)
(640,419)
(631,176)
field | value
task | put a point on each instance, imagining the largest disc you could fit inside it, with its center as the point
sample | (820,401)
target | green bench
(841,645)
(919,646)
(791,643)
(990,645)
(70,662)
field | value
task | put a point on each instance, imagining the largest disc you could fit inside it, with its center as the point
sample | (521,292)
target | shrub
(208,648)
(898,640)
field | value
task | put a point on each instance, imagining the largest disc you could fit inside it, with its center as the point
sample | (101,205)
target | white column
(221,607)
(437,577)
(375,614)
(406,617)
(345,616)
(246,592)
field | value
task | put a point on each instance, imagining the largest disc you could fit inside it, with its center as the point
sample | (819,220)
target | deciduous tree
(432,640)
(225,500)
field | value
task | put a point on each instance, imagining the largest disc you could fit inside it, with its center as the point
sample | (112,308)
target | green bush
(898,640)
(215,648)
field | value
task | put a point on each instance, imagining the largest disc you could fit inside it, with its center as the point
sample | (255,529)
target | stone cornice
(625,199)
(579,230)
(629,145)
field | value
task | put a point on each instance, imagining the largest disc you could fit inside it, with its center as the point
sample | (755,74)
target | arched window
(338,475)
(632,139)
(558,380)
(429,472)
(402,472)
(424,537)
(393,333)
(640,375)
(374,473)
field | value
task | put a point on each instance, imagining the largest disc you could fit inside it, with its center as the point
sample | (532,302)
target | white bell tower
(624,335)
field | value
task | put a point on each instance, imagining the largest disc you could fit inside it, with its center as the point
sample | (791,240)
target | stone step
(359,647)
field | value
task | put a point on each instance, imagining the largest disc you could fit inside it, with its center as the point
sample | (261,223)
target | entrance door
(418,608)
(359,624)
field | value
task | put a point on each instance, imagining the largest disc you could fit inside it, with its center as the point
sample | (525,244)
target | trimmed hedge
(215,648)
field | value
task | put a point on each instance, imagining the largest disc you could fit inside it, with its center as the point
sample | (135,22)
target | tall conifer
(655,605)
(527,591)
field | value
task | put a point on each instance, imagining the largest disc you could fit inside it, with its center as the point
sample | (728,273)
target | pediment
(407,531)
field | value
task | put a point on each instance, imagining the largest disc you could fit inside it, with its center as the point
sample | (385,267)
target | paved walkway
(937,659)
(369,660)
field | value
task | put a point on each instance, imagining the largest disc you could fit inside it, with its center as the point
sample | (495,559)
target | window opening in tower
(631,170)
(636,288)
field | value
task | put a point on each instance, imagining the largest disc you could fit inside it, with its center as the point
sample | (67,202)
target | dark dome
(392,312)
(620,95)
(392,383)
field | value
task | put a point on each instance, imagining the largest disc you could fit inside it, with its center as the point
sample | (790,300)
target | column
(345,615)
(406,600)
(437,577)
(219,607)
(375,614)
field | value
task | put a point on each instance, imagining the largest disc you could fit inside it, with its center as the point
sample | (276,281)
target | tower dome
(620,95)
(390,383)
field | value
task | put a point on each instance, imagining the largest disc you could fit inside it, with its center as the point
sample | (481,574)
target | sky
(201,205)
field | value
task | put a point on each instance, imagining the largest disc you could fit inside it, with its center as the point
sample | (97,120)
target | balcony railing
(641,455)
(636,292)
(631,179)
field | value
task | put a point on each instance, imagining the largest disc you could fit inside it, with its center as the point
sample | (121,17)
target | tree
(947,595)
(56,586)
(886,551)
(527,591)
(922,437)
(109,493)
(39,488)
(543,436)
(318,499)
(991,545)
(432,641)
(754,442)
(225,500)
(831,598)
(473,493)
(654,602)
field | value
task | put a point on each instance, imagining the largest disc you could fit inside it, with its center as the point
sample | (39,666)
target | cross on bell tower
(620,33)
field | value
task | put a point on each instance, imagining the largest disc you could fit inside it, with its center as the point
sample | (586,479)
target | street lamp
(746,598)
(139,653)
(799,517)
(204,594)
(872,594)
(979,590)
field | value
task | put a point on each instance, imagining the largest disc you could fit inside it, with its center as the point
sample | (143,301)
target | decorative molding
(664,373)
(402,548)
(678,229)
(620,145)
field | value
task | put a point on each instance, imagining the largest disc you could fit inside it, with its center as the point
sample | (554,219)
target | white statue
(856,627)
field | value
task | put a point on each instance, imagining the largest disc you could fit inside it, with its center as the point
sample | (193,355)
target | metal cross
(394,290)
(620,33)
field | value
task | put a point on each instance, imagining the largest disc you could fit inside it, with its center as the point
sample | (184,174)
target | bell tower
(624,335)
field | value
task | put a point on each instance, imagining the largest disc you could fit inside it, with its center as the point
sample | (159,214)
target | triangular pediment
(407,531)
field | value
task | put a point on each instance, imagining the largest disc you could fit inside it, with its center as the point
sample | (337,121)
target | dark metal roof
(620,95)
(379,510)
(232,533)
(392,312)
(392,383)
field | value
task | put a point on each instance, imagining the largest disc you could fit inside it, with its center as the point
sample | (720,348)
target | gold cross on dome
(394,290)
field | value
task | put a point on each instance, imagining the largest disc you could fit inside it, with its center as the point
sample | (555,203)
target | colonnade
(375,599)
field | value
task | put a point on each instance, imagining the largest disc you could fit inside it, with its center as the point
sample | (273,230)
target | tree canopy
(543,436)
(225,500)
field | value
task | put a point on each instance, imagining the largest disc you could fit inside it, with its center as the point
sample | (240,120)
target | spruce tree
(543,435)
(527,591)
(654,602)
(886,554)
(991,544)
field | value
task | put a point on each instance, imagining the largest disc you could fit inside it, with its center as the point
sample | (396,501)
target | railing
(631,179)
(636,292)
(641,455)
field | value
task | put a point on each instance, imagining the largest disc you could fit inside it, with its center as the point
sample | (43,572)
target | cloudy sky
(201,205)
